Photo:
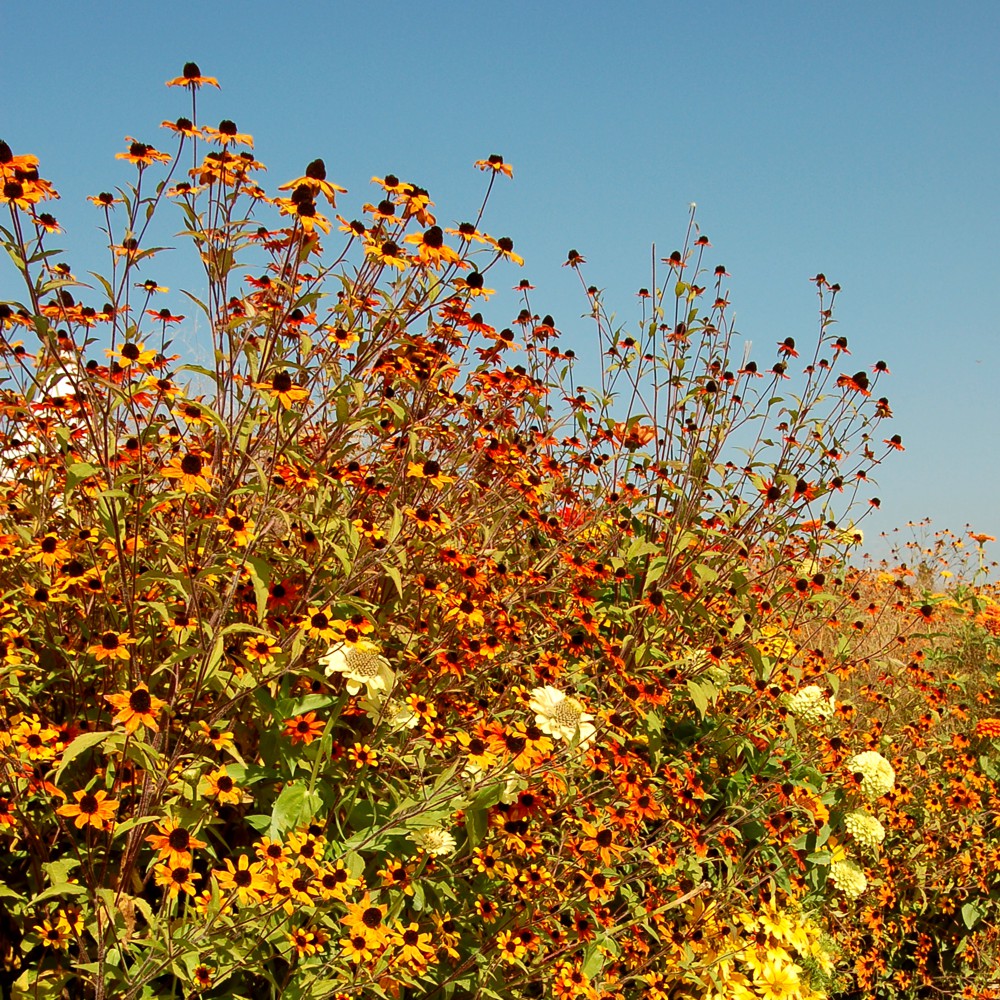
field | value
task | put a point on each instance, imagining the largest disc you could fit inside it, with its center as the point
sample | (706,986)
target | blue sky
(858,139)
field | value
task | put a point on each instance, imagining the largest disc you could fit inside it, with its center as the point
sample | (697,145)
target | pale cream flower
(380,708)
(810,704)
(865,829)
(361,664)
(850,879)
(877,775)
(561,716)
(434,840)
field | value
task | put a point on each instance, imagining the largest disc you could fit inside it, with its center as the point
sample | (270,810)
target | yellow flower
(283,389)
(136,708)
(244,879)
(90,809)
(191,470)
(112,646)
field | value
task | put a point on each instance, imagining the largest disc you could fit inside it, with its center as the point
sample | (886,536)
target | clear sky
(859,139)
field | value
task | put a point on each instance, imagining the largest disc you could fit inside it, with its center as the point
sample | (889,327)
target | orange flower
(90,809)
(142,154)
(304,728)
(190,470)
(173,843)
(192,78)
(496,164)
(136,708)
(112,646)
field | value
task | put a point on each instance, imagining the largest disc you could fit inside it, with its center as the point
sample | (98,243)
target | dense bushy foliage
(377,657)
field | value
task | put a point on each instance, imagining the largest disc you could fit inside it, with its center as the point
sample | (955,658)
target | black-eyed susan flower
(55,933)
(304,728)
(192,471)
(262,648)
(315,179)
(90,809)
(136,708)
(176,878)
(495,163)
(304,942)
(241,529)
(362,755)
(282,389)
(432,250)
(191,77)
(367,919)
(387,252)
(142,154)
(246,880)
(174,843)
(111,646)
(227,134)
(219,785)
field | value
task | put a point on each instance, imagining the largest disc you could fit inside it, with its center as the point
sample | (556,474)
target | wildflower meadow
(371,654)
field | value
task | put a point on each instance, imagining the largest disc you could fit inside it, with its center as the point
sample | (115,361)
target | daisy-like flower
(245,879)
(176,878)
(361,665)
(173,843)
(315,180)
(561,716)
(495,163)
(262,648)
(192,472)
(131,353)
(387,252)
(434,840)
(54,934)
(242,528)
(136,708)
(222,787)
(112,646)
(142,154)
(304,728)
(191,77)
(363,756)
(282,389)
(90,809)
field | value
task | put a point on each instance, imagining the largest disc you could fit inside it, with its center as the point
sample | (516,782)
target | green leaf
(294,807)
(971,915)
(476,825)
(80,745)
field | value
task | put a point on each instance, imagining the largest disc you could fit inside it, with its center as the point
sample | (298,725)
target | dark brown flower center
(191,465)
(179,839)
(139,701)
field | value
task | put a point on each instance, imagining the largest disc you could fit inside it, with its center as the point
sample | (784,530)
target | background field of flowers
(376,656)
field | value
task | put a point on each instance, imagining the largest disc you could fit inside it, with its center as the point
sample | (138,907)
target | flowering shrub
(363,660)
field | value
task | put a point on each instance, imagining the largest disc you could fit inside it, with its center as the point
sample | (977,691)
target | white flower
(810,704)
(361,664)
(561,716)
(434,840)
(850,879)
(865,829)
(380,708)
(877,775)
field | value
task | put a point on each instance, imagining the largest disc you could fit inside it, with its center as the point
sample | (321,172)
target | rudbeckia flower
(136,708)
(191,77)
(90,809)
